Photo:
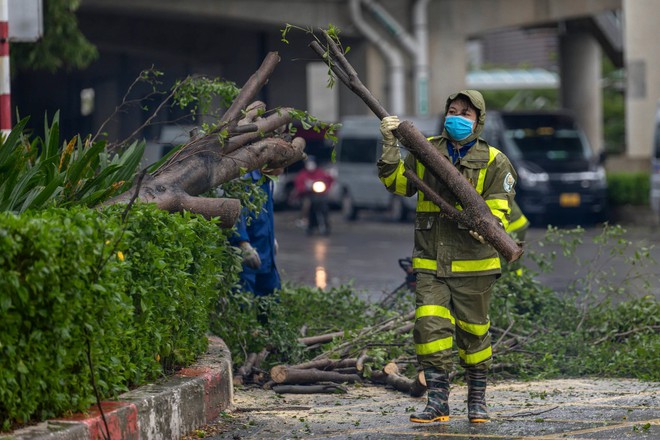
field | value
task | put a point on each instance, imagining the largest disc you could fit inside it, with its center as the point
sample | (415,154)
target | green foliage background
(628,188)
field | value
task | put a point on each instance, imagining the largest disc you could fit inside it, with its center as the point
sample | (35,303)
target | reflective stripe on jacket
(443,247)
(518,222)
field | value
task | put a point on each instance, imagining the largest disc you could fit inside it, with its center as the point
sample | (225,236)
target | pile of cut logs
(327,372)
(349,361)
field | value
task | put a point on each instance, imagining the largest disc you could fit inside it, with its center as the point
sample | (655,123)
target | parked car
(359,148)
(560,178)
(655,166)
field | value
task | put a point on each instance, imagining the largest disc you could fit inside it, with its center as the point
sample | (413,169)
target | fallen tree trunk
(320,388)
(244,141)
(476,215)
(287,375)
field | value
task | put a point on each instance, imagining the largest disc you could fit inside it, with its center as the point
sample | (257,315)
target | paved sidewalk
(164,410)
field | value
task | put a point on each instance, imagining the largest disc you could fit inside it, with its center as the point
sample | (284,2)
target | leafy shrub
(79,284)
(179,265)
(38,173)
(287,312)
(628,188)
(60,290)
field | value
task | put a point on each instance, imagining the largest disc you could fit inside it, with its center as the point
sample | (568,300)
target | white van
(655,166)
(358,149)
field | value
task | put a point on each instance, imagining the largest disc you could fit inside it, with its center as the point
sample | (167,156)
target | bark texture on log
(477,214)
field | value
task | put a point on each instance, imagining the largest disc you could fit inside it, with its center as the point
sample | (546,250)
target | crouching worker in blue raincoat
(255,237)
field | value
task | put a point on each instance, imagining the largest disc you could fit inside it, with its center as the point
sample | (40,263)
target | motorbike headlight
(318,186)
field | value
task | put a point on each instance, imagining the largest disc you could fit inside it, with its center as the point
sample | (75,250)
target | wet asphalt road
(366,253)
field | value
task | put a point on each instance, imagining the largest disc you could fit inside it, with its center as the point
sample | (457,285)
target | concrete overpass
(410,53)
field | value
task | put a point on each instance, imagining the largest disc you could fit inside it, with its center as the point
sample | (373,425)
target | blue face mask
(458,127)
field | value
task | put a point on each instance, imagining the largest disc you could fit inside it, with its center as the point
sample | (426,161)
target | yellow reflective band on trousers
(475,329)
(423,263)
(435,346)
(474,265)
(475,358)
(459,265)
(434,310)
(397,177)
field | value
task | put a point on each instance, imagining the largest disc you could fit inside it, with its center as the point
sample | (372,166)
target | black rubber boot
(477,410)
(437,408)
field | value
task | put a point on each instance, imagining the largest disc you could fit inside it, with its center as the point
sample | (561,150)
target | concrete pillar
(642,61)
(580,73)
(447,56)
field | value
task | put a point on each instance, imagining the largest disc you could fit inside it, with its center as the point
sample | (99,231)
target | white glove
(250,256)
(391,152)
(478,237)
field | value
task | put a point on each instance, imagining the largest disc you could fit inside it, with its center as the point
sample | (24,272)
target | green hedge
(628,188)
(138,294)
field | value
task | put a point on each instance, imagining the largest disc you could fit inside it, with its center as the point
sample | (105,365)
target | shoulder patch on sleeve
(508,183)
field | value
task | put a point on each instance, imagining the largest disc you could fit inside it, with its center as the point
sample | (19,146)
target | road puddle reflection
(321,277)
(320,254)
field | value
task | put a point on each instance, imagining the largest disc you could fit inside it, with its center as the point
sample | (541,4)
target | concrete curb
(169,410)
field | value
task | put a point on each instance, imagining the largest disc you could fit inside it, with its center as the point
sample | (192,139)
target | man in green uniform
(456,269)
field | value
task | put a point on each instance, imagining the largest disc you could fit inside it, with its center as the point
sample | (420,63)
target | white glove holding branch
(391,153)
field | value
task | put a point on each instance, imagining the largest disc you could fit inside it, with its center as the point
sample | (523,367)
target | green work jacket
(443,247)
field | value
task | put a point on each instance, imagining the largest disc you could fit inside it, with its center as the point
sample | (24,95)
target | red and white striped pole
(5,75)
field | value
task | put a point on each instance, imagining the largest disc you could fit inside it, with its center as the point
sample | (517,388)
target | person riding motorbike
(312,185)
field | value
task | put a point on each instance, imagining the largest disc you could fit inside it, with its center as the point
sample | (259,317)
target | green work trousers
(448,308)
